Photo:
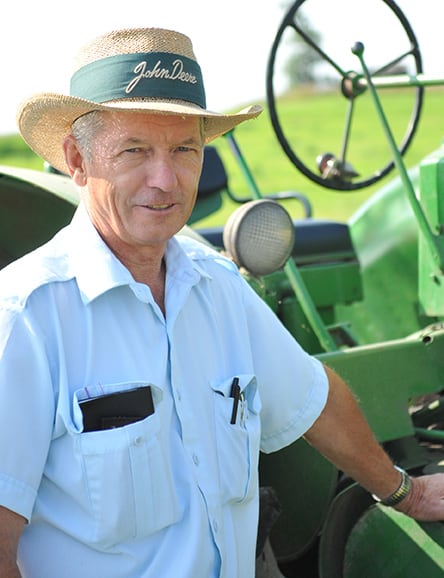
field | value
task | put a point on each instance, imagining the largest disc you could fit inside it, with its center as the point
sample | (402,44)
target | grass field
(316,126)
(313,124)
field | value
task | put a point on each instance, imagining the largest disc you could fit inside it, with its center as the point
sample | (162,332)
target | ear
(74,161)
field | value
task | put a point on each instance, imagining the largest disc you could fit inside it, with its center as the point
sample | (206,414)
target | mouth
(159,207)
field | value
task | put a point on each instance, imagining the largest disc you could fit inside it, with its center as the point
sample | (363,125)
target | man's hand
(425,501)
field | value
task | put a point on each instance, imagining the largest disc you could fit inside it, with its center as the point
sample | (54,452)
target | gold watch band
(400,493)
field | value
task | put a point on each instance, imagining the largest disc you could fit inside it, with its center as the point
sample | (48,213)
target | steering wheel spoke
(318,49)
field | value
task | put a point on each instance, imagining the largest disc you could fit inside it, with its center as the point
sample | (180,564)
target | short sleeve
(293,385)
(26,410)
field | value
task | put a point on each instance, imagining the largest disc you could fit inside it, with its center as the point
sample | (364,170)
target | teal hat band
(160,75)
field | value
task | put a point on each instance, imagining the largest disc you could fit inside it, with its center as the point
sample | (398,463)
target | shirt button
(215,526)
(138,440)
(178,394)
(195,460)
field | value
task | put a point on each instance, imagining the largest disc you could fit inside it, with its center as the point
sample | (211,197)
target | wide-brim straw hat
(149,70)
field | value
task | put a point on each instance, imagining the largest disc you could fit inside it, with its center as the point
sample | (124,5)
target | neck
(145,262)
(148,270)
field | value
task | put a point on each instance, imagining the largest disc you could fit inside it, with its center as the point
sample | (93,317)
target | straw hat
(141,70)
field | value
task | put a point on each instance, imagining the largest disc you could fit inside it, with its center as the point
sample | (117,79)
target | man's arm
(342,435)
(11,527)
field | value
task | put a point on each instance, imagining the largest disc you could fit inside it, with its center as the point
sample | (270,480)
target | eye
(133,150)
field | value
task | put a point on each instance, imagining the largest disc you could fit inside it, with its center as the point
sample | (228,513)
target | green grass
(313,124)
(14,152)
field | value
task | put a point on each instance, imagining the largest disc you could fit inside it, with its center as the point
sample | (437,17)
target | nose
(161,173)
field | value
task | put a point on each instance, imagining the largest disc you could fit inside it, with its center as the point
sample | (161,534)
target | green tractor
(365,296)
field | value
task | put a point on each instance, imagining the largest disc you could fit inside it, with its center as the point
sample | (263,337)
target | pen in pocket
(235,393)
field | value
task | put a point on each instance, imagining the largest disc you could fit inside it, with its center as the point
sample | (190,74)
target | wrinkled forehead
(105,132)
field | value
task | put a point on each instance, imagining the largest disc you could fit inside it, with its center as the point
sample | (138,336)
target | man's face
(142,178)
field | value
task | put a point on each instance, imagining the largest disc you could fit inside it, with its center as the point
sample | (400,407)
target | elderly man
(138,380)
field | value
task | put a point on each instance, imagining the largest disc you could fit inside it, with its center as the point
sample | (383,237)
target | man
(137,381)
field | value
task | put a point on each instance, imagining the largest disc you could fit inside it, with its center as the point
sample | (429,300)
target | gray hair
(85,128)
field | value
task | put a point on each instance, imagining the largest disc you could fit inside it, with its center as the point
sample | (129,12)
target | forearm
(9,571)
(343,436)
(11,526)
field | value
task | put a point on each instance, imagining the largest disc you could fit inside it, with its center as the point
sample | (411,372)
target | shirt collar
(98,270)
(95,266)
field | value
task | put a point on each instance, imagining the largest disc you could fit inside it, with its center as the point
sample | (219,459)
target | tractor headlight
(259,236)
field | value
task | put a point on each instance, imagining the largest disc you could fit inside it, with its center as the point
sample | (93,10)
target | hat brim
(46,119)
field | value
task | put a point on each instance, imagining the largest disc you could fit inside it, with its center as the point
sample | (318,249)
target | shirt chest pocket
(237,437)
(128,480)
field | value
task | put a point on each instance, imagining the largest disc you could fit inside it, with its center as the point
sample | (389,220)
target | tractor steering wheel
(395,50)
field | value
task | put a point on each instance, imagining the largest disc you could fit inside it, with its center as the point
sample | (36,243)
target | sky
(232,40)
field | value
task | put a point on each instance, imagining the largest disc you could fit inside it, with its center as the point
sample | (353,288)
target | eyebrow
(186,141)
(192,141)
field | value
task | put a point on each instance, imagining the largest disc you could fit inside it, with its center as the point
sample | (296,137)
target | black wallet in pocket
(117,409)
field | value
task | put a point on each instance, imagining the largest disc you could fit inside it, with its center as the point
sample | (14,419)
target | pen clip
(235,393)
(242,401)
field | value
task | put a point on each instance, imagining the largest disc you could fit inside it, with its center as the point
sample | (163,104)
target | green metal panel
(431,279)
(385,377)
(333,283)
(327,284)
(385,237)
(386,544)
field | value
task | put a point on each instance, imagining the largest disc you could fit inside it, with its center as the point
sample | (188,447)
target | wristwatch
(400,493)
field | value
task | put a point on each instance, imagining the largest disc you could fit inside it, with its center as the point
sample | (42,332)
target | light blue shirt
(175,494)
